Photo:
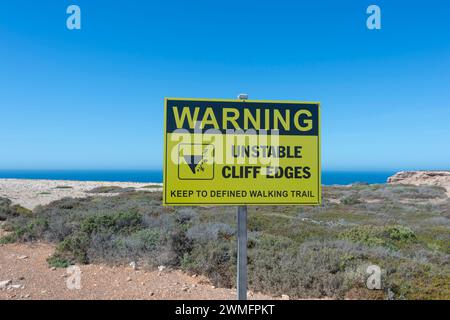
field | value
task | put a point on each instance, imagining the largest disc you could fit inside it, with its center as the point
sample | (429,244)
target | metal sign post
(242,253)
(241,286)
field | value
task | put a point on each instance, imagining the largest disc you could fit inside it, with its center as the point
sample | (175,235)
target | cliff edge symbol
(193,161)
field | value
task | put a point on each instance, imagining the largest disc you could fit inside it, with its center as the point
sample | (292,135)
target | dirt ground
(24,266)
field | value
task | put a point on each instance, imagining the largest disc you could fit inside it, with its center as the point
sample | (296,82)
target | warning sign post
(241,152)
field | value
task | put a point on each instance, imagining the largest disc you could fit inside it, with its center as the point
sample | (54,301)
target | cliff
(433,178)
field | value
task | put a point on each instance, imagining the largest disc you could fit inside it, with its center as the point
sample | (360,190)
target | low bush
(152,186)
(210,232)
(58,262)
(388,236)
(110,189)
(8,210)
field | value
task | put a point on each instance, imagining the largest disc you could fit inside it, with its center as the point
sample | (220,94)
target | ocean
(328,177)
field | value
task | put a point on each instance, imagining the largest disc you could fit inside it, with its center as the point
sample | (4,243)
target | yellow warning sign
(234,152)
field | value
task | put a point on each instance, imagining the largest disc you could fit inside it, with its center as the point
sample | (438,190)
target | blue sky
(93,98)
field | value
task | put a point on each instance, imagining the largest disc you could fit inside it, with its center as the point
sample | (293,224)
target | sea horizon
(329,177)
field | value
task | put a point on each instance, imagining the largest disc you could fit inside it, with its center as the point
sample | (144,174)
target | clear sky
(93,98)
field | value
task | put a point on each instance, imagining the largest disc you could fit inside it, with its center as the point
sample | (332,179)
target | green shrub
(152,186)
(307,270)
(123,222)
(409,280)
(74,248)
(149,238)
(400,233)
(9,211)
(367,235)
(388,236)
(351,199)
(110,189)
(10,238)
(57,262)
(215,259)
(28,229)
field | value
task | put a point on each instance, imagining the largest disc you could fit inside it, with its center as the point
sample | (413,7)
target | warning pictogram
(195,161)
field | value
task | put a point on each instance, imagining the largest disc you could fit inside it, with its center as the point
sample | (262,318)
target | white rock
(16,286)
(133,265)
(5,284)
(284,297)
(161,268)
(22,257)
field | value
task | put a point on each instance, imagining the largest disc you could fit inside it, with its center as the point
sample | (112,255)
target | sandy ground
(30,193)
(24,266)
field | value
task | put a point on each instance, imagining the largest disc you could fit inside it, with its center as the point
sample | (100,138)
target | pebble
(284,297)
(16,286)
(5,283)
(128,279)
(22,257)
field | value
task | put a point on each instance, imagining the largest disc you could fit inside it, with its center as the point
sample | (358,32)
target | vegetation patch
(320,251)
(57,262)
(110,189)
(387,236)
(8,210)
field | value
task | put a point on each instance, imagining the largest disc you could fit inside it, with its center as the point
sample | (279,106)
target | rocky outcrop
(431,178)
